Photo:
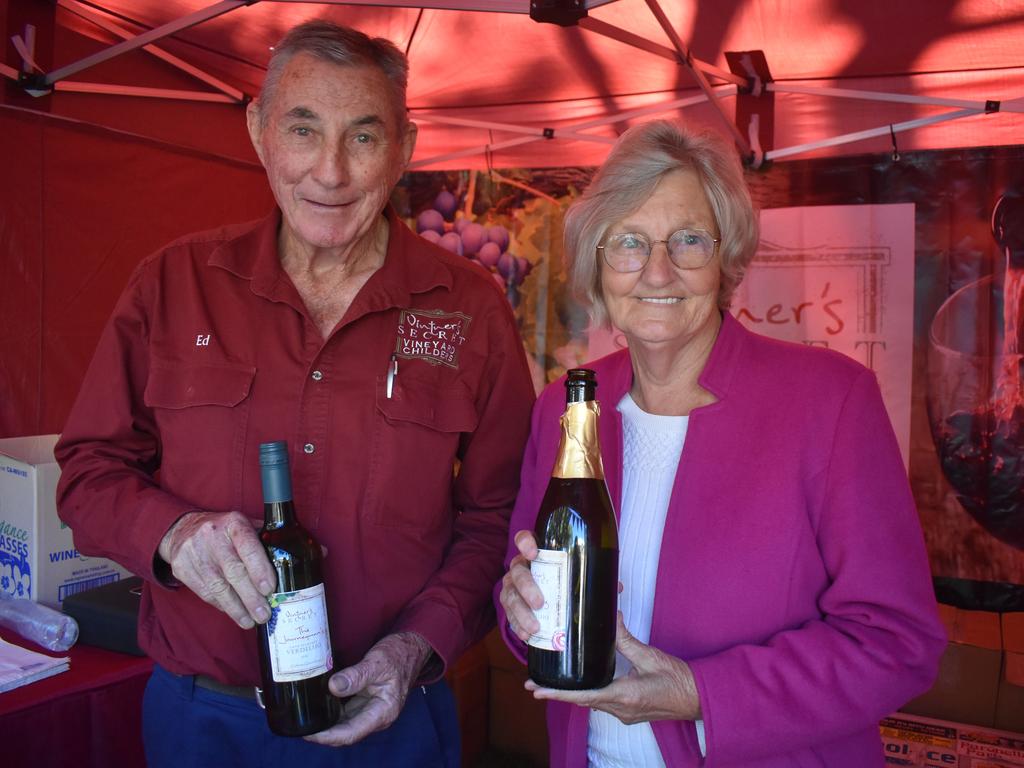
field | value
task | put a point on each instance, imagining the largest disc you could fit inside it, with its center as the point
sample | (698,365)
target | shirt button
(308,448)
(317,375)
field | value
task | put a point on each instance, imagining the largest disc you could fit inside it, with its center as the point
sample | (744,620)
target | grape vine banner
(902,269)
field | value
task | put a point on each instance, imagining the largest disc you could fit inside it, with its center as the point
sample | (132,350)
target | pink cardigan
(793,577)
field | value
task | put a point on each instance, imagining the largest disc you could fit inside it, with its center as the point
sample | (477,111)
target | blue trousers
(185,726)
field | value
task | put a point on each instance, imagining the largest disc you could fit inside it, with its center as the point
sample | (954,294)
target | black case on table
(108,616)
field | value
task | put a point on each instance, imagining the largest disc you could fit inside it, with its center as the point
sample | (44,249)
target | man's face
(333,148)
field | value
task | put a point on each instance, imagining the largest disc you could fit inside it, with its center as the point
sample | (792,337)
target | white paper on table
(20,666)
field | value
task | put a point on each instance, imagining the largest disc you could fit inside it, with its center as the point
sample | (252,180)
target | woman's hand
(520,596)
(658,687)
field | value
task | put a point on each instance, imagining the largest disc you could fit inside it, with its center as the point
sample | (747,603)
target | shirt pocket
(414,450)
(202,416)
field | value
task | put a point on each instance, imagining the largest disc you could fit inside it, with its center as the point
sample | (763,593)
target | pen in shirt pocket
(392,374)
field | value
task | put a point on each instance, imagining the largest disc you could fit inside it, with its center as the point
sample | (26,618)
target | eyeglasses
(687,248)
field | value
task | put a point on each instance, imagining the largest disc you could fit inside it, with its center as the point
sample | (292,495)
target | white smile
(666,300)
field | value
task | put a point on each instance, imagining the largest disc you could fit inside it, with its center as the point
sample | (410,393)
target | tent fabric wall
(79,208)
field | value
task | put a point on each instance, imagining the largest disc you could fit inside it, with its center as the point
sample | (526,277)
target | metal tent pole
(89,14)
(139,41)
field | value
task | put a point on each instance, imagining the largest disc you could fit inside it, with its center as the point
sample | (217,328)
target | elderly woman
(776,599)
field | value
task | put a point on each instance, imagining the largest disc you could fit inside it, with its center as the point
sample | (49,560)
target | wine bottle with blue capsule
(295,644)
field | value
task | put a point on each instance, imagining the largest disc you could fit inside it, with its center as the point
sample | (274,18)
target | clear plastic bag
(43,625)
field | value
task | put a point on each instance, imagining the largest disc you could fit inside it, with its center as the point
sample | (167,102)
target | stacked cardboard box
(469,679)
(38,558)
(981,676)
(517,720)
(1010,698)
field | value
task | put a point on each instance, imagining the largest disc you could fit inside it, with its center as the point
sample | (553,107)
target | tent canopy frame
(38,83)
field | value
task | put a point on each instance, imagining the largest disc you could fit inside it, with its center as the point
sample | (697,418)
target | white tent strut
(570,132)
(599,27)
(26,48)
(74,86)
(145,38)
(87,13)
(677,43)
(848,138)
(904,98)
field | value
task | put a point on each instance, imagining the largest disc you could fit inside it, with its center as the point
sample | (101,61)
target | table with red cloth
(87,717)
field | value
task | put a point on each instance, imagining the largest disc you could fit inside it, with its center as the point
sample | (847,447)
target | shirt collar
(252,255)
(407,270)
(718,371)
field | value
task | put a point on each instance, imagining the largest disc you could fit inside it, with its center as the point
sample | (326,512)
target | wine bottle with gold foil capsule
(577,568)
(295,645)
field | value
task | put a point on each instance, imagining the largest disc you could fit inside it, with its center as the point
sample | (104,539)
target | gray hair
(638,161)
(334,43)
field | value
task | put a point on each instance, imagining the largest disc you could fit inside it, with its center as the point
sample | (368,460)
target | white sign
(840,277)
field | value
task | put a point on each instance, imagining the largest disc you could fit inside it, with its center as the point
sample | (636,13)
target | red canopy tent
(491,84)
(123,125)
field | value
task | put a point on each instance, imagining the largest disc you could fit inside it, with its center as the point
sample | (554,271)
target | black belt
(240,691)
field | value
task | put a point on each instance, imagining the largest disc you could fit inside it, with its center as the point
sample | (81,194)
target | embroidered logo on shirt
(203,340)
(432,335)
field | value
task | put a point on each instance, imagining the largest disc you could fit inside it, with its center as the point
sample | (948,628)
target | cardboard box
(1010,699)
(1013,644)
(38,558)
(469,679)
(518,725)
(920,742)
(967,686)
(978,628)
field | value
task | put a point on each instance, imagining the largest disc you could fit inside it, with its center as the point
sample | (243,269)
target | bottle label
(300,640)
(551,572)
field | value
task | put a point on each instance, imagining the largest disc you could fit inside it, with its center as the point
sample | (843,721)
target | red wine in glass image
(975,400)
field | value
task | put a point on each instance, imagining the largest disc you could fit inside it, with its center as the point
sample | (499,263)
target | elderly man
(396,374)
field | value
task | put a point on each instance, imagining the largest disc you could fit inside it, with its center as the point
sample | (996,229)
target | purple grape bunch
(275,611)
(485,246)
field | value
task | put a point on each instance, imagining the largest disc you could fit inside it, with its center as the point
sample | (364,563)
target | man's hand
(378,686)
(218,555)
(658,687)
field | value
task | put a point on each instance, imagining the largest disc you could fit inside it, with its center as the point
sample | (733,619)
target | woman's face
(661,303)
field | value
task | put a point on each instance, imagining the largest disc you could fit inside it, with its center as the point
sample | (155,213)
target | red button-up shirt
(210,351)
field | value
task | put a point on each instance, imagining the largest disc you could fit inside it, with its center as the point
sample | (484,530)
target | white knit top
(651,446)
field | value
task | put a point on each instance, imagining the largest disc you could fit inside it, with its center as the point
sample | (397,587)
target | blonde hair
(638,161)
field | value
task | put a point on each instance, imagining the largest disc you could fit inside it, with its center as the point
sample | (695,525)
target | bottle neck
(580,391)
(579,450)
(278,507)
(278,513)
